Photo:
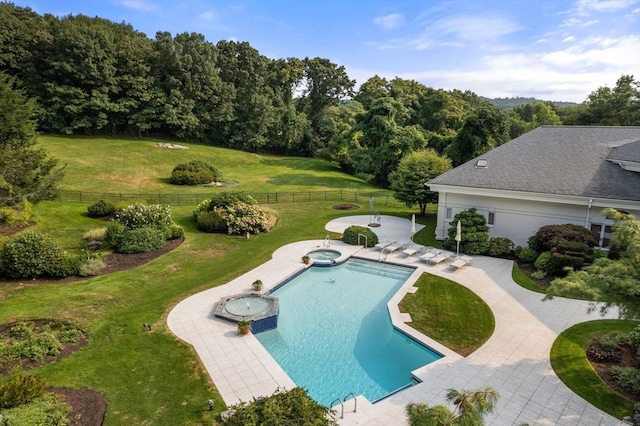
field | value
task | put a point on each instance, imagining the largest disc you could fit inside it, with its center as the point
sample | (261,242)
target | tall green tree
(617,106)
(469,409)
(381,142)
(25,170)
(485,128)
(616,282)
(416,168)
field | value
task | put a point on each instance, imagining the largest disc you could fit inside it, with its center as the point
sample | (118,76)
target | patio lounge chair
(411,250)
(461,262)
(439,258)
(430,254)
(392,247)
(382,244)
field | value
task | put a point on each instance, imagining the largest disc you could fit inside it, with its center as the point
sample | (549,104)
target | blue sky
(548,49)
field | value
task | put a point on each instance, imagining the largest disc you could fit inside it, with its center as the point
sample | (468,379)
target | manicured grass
(523,280)
(449,313)
(570,363)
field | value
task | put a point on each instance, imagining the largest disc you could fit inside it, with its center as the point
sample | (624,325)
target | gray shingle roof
(563,160)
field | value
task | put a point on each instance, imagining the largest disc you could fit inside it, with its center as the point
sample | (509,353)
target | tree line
(91,76)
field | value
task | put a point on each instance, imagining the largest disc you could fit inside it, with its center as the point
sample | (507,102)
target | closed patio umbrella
(458,237)
(413,225)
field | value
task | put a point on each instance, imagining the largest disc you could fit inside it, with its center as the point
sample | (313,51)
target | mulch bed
(628,359)
(345,206)
(88,406)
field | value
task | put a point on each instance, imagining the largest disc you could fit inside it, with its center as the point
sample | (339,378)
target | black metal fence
(185,199)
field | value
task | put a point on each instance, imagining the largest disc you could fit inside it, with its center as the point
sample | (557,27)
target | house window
(491,218)
(603,232)
(448,213)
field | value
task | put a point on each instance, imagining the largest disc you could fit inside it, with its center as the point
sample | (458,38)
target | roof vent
(481,163)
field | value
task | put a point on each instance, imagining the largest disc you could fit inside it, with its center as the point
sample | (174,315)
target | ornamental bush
(242,218)
(101,209)
(141,240)
(527,255)
(550,236)
(21,390)
(350,236)
(31,255)
(500,246)
(114,232)
(211,221)
(544,262)
(627,377)
(570,254)
(16,216)
(140,215)
(195,173)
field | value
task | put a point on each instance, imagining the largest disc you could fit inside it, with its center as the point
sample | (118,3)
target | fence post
(80,192)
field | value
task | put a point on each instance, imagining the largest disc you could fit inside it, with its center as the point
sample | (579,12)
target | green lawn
(449,313)
(570,363)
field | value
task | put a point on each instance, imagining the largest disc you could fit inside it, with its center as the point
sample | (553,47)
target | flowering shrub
(141,215)
(242,218)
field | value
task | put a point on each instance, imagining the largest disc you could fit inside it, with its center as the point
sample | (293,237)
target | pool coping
(514,360)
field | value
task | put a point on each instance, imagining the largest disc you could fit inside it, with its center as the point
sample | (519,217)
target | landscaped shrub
(597,354)
(223,200)
(211,221)
(114,233)
(101,209)
(543,262)
(46,410)
(31,255)
(550,236)
(91,266)
(475,233)
(350,236)
(141,240)
(612,341)
(195,173)
(500,246)
(21,390)
(22,330)
(174,231)
(95,234)
(16,215)
(242,218)
(634,339)
(527,255)
(538,275)
(141,215)
(292,408)
(572,254)
(627,377)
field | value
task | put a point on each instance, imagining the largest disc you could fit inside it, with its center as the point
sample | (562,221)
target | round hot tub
(324,255)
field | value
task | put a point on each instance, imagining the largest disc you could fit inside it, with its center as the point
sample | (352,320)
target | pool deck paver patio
(514,361)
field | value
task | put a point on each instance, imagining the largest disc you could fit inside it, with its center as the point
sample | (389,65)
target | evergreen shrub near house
(31,255)
(195,173)
(570,254)
(475,233)
(101,209)
(544,262)
(500,246)
(527,255)
(351,234)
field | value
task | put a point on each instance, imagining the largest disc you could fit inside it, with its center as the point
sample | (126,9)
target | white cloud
(586,6)
(389,22)
(569,74)
(140,5)
(207,16)
(570,38)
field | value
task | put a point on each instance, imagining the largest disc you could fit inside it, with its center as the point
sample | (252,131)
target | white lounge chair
(392,247)
(430,254)
(461,262)
(439,258)
(382,244)
(411,250)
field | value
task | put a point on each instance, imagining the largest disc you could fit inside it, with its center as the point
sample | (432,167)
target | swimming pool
(335,336)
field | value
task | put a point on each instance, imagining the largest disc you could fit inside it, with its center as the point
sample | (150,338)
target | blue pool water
(335,336)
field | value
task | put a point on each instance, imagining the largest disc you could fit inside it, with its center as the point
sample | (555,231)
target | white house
(551,175)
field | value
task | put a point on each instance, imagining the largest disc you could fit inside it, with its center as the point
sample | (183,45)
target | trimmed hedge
(195,173)
(101,209)
(350,236)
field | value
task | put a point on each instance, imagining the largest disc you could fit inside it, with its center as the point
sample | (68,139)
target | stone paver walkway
(514,361)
